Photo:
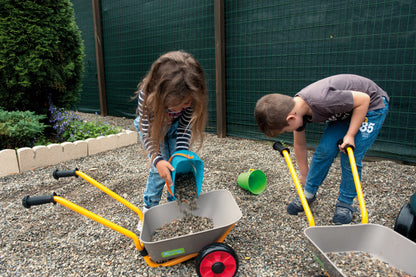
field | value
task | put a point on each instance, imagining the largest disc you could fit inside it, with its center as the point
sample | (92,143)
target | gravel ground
(52,240)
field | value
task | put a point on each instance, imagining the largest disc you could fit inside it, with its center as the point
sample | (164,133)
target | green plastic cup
(254,181)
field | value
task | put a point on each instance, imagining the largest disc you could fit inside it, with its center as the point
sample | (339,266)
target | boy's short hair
(271,112)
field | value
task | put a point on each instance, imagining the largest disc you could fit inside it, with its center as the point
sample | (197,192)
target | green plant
(69,127)
(41,55)
(19,129)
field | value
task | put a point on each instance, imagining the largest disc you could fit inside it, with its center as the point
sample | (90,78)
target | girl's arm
(144,127)
(184,131)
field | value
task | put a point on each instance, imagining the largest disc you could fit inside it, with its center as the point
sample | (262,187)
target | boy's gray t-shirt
(331,98)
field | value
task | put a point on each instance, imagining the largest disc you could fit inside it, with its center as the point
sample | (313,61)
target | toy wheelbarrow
(213,258)
(377,240)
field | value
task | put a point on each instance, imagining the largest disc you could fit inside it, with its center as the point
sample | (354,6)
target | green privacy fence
(270,46)
(134,34)
(282,46)
(89,96)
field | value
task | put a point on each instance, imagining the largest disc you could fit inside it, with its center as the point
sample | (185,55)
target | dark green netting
(84,18)
(271,46)
(136,33)
(282,46)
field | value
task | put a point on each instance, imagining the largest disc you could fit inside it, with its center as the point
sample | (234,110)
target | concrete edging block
(74,150)
(39,156)
(53,155)
(99,144)
(127,138)
(8,162)
(23,159)
(102,144)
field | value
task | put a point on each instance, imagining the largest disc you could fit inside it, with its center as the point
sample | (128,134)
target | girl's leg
(170,147)
(154,188)
(155,184)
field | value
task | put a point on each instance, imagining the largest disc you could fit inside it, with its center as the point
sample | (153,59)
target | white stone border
(23,159)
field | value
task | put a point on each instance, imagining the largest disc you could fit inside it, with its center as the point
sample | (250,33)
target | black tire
(217,258)
(406,223)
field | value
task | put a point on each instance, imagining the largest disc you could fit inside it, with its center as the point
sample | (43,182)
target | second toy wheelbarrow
(378,241)
(213,257)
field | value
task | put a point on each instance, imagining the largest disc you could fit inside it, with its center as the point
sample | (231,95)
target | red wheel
(217,259)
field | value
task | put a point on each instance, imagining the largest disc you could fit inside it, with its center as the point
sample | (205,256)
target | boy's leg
(324,155)
(322,159)
(363,140)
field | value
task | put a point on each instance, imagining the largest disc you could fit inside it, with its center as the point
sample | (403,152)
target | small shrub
(20,128)
(41,55)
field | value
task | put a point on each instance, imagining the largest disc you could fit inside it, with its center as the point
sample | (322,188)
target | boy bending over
(353,108)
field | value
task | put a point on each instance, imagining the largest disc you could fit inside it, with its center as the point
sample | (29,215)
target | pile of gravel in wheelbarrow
(186,195)
(51,240)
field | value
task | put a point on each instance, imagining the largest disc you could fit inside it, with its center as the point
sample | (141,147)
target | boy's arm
(359,110)
(301,153)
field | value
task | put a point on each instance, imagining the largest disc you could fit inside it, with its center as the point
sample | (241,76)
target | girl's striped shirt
(184,130)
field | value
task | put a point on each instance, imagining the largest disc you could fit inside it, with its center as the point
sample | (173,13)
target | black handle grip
(279,147)
(28,201)
(64,173)
(339,142)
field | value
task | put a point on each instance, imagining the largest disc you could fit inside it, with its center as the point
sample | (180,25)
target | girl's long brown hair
(172,78)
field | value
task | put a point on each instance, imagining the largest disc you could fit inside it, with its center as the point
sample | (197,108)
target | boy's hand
(359,110)
(347,140)
(164,168)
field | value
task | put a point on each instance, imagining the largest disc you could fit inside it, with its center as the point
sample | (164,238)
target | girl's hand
(164,168)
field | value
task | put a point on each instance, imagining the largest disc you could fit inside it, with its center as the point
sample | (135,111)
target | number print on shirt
(367,127)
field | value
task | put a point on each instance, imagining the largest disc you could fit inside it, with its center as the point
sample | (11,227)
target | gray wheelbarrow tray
(378,241)
(218,205)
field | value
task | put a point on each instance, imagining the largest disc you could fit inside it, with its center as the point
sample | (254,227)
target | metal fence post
(220,68)
(99,56)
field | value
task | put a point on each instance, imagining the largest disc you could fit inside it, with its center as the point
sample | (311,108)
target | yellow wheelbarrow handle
(285,153)
(350,150)
(364,215)
(44,199)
